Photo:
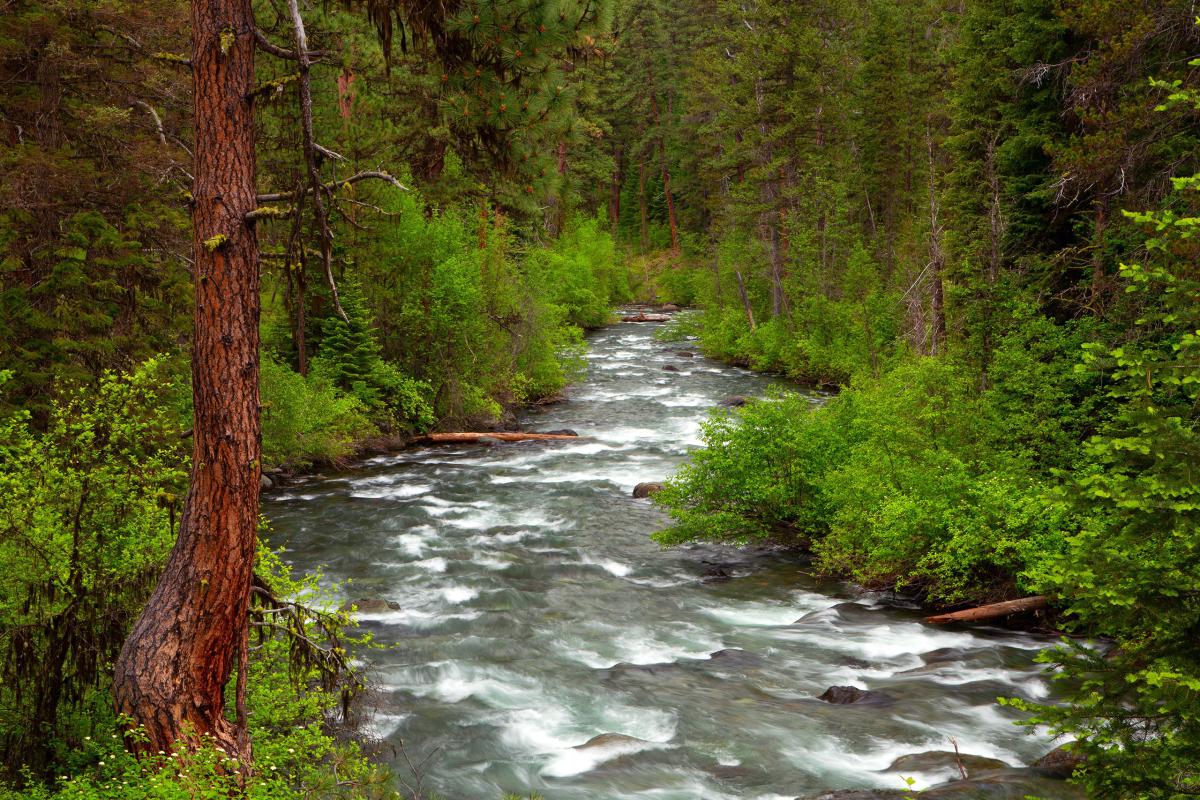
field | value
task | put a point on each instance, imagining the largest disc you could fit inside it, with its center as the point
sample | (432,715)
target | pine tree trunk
(172,671)
(614,201)
(645,231)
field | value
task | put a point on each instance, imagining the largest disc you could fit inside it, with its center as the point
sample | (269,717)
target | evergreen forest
(246,245)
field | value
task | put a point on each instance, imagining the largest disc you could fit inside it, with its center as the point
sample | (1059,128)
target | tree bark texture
(992,611)
(173,669)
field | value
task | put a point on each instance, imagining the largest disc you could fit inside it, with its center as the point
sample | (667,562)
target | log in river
(546,644)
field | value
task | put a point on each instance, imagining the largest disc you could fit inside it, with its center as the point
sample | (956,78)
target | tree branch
(331,186)
(311,153)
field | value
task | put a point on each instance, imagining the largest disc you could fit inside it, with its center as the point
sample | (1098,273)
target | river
(535,614)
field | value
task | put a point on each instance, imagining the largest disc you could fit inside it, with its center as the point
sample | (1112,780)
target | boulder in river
(670,368)
(940,760)
(735,401)
(1004,784)
(735,658)
(670,307)
(1000,784)
(1060,762)
(862,794)
(611,740)
(852,695)
(562,432)
(683,353)
(265,483)
(370,605)
(643,490)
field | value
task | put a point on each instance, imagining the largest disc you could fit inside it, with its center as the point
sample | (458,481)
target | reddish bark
(992,611)
(172,671)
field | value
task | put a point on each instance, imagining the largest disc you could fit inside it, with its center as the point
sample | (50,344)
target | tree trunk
(741,285)
(937,259)
(645,231)
(993,611)
(172,671)
(614,200)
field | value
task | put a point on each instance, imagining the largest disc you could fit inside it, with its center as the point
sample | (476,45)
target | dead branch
(158,126)
(311,153)
(991,611)
(333,186)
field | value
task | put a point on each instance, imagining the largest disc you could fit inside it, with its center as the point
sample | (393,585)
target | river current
(535,613)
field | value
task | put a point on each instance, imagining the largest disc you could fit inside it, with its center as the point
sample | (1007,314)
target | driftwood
(646,318)
(503,436)
(992,611)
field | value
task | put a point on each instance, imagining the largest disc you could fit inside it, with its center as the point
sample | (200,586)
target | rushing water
(536,614)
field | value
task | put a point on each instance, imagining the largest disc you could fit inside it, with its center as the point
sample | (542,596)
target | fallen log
(991,611)
(646,318)
(503,436)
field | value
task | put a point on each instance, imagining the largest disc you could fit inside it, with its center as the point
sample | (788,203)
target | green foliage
(581,273)
(1132,568)
(349,357)
(760,476)
(307,420)
(291,707)
(87,513)
(909,481)
(89,222)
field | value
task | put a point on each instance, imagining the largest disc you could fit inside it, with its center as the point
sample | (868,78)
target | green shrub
(900,482)
(307,419)
(87,514)
(291,702)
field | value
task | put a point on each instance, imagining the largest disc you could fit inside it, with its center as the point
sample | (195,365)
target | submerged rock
(861,794)
(1005,784)
(717,572)
(610,740)
(684,353)
(736,657)
(670,368)
(1000,784)
(1059,763)
(562,432)
(944,655)
(643,490)
(489,441)
(370,605)
(852,695)
(943,759)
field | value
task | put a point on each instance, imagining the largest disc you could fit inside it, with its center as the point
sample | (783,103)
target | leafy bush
(87,514)
(1131,569)
(581,273)
(290,704)
(307,419)
(899,482)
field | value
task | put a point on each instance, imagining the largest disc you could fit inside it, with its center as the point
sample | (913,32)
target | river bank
(535,615)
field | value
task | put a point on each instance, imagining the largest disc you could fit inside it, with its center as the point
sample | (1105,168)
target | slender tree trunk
(173,669)
(662,163)
(645,231)
(1101,224)
(741,285)
(614,200)
(937,259)
(994,257)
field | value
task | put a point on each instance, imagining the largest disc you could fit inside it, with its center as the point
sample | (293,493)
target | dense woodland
(973,219)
